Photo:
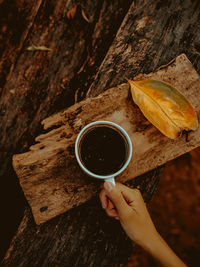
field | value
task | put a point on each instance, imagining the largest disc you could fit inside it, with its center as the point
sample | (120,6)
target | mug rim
(128,158)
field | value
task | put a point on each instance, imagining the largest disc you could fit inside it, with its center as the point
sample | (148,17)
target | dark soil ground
(175,210)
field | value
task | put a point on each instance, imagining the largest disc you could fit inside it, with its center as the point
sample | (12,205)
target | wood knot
(65,135)
(32,167)
(42,209)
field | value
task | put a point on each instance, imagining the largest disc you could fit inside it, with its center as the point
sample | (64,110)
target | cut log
(49,173)
(151,34)
(27,96)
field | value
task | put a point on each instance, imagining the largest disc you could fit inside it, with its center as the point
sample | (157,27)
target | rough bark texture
(16,19)
(27,95)
(49,173)
(174,30)
(152,33)
(84,236)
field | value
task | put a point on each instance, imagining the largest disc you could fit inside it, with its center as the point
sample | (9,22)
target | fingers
(111,211)
(103,199)
(130,194)
(107,204)
(115,195)
(118,201)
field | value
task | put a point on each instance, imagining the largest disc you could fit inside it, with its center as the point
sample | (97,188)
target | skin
(127,206)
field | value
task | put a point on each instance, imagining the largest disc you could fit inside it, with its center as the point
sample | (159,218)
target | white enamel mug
(109,178)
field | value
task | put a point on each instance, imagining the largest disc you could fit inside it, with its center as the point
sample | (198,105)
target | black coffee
(103,150)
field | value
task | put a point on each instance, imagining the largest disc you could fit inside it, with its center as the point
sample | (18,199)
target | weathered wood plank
(49,174)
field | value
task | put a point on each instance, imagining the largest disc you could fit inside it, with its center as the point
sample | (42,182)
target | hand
(127,205)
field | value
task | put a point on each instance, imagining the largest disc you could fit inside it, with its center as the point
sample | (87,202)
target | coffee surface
(103,150)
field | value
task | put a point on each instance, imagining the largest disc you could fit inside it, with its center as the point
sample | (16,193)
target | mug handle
(111,180)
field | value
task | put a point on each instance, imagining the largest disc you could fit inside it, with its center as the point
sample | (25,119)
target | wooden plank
(49,174)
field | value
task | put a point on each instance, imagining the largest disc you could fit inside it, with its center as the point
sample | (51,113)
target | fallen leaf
(35,47)
(164,106)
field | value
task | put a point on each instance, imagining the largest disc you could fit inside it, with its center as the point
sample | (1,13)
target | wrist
(160,250)
(151,242)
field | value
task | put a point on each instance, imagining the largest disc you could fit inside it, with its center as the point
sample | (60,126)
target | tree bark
(16,20)
(156,32)
(84,236)
(151,34)
(36,84)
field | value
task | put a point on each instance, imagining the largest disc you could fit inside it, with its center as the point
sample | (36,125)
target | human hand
(127,205)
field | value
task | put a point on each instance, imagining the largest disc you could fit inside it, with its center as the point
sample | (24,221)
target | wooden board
(49,174)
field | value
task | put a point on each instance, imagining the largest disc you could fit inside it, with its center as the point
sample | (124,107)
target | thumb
(117,199)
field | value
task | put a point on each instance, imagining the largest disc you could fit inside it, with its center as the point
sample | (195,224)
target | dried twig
(84,15)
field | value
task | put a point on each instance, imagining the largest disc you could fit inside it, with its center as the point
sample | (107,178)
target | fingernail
(108,186)
(103,205)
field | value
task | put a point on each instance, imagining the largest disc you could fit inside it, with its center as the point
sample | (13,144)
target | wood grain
(27,93)
(83,236)
(16,20)
(79,236)
(49,174)
(151,35)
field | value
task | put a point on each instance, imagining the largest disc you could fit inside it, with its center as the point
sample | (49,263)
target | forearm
(159,249)
(137,223)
